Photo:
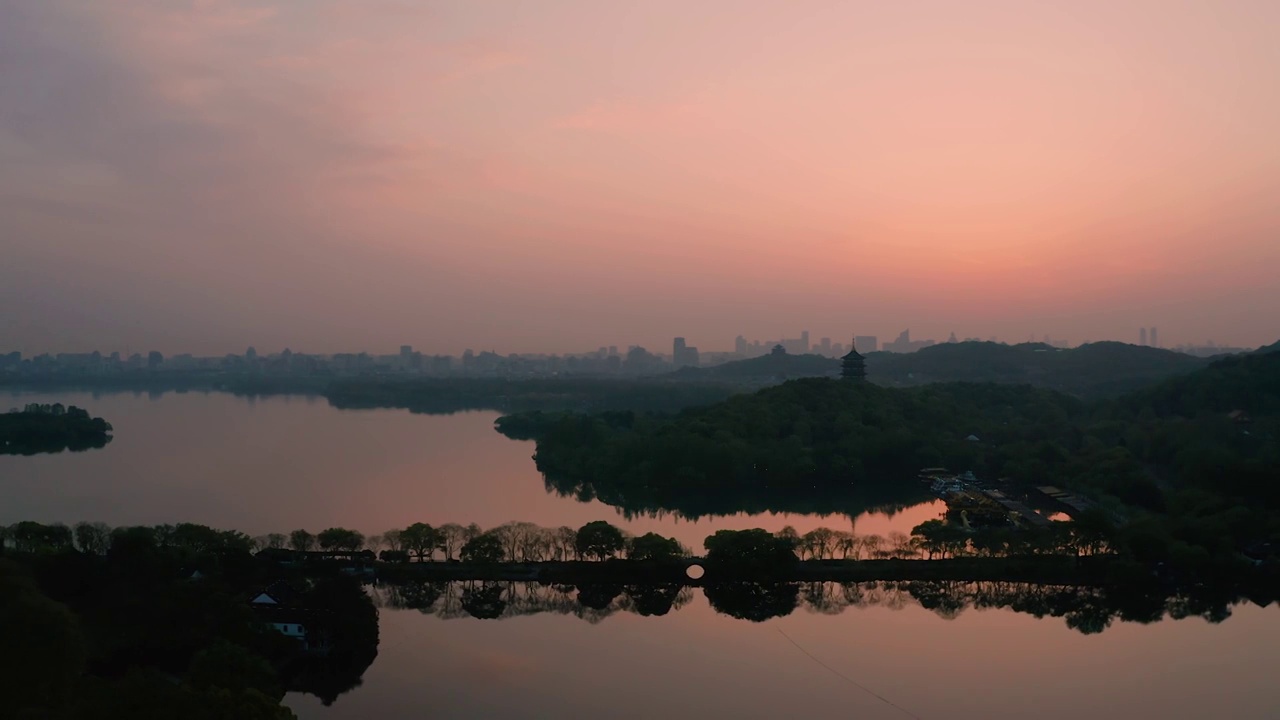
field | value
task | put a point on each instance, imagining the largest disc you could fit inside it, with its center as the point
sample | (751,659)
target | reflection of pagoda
(853,366)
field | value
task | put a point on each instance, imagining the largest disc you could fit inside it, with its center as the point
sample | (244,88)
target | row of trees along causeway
(520,542)
(515,542)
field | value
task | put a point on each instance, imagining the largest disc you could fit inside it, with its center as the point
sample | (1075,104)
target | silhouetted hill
(766,368)
(1092,371)
(1247,383)
(1273,347)
(808,445)
(1190,464)
(1095,370)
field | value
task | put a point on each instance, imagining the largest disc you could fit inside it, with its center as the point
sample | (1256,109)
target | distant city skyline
(676,347)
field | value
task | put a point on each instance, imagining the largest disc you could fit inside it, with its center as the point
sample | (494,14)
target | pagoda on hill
(853,366)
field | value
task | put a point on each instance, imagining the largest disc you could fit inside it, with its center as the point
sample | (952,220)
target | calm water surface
(282,463)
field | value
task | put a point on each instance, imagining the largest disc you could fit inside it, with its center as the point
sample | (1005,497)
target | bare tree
(872,546)
(452,538)
(844,543)
(520,541)
(820,542)
(564,539)
(901,545)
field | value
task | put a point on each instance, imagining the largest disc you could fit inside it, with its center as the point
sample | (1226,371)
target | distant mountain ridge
(781,366)
(1273,347)
(1092,371)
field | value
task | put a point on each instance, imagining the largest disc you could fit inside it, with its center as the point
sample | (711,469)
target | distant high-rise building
(902,344)
(953,338)
(1155,338)
(824,346)
(1142,336)
(683,355)
(866,343)
(251,354)
(740,345)
(804,341)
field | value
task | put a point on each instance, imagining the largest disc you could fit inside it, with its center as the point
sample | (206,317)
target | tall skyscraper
(866,343)
(1142,336)
(1155,338)
(804,341)
(683,355)
(740,345)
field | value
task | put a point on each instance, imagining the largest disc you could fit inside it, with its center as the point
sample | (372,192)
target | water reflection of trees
(1084,609)
(889,496)
(497,600)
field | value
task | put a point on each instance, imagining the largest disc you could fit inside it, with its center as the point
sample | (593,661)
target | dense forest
(51,428)
(1185,469)
(155,622)
(809,445)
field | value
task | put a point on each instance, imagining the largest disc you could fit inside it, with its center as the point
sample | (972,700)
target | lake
(280,463)
(276,464)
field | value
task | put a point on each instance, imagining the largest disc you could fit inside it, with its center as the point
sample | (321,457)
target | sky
(205,175)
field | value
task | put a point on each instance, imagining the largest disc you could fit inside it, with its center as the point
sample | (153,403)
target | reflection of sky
(280,463)
(695,663)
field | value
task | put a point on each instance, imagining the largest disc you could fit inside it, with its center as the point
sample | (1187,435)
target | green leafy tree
(44,651)
(483,548)
(654,547)
(753,548)
(231,667)
(420,539)
(598,540)
(340,540)
(302,541)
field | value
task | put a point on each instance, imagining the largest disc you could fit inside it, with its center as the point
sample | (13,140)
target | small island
(52,428)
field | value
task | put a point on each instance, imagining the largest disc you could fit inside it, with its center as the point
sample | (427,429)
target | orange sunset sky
(202,175)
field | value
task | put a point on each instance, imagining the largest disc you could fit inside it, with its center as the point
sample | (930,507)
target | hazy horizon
(204,175)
